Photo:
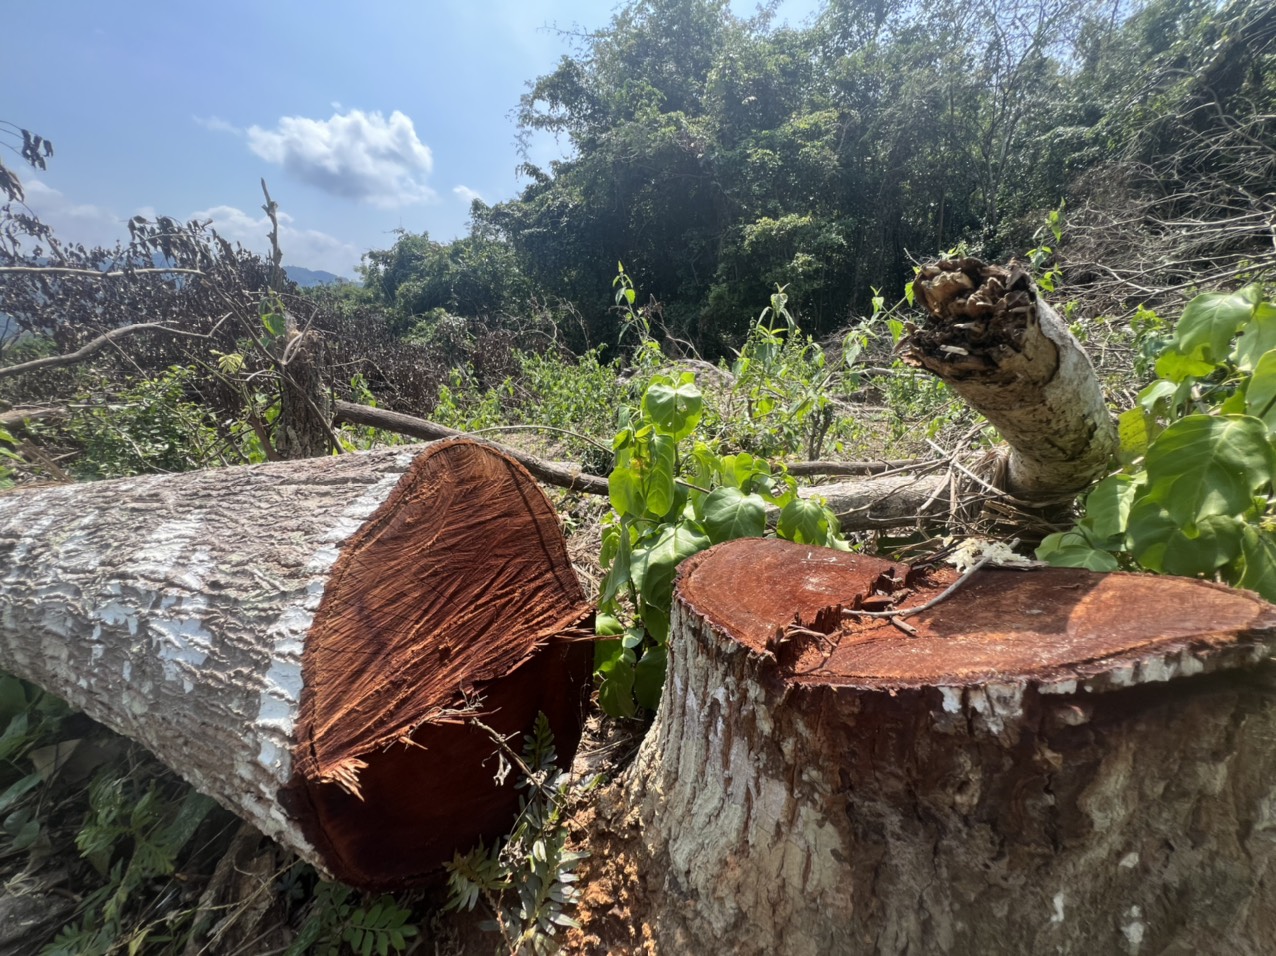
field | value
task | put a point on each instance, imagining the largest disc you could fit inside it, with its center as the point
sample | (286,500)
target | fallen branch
(96,345)
(570,477)
(999,346)
(14,417)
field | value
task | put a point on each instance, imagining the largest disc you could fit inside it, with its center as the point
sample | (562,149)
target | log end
(449,605)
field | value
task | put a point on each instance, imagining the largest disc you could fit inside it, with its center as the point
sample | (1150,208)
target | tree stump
(307,641)
(1058,762)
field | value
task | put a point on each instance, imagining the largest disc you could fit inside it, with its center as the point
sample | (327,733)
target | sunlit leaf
(1206,465)
(730,513)
(1257,339)
(1208,323)
(1260,395)
(1259,550)
(675,409)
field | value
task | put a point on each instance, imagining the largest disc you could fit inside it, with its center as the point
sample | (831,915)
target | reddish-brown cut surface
(1041,625)
(451,596)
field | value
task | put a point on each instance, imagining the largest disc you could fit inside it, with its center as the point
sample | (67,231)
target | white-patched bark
(301,640)
(174,609)
(1117,805)
(1007,353)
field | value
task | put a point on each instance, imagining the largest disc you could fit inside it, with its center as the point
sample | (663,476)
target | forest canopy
(718,157)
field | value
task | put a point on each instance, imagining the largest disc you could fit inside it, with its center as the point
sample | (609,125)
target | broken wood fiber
(308,641)
(1057,761)
(1001,347)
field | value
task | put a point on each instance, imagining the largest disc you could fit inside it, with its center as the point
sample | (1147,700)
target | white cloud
(301,247)
(71,221)
(356,155)
(466,194)
(217,125)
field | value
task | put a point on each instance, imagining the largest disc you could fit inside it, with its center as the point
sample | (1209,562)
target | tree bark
(1058,761)
(999,346)
(303,641)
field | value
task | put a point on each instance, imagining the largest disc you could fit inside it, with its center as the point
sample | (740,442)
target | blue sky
(363,118)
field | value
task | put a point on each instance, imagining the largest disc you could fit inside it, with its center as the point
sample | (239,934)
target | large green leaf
(1210,320)
(1205,465)
(1178,366)
(674,408)
(1259,550)
(730,513)
(1107,507)
(1159,542)
(1258,338)
(804,521)
(616,687)
(653,566)
(658,483)
(624,486)
(1134,429)
(649,677)
(1074,549)
(1260,395)
(618,574)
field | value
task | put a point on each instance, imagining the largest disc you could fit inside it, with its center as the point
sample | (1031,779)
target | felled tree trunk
(306,641)
(1001,347)
(1056,762)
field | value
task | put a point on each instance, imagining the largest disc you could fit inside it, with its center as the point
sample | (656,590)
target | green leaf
(1107,507)
(1258,338)
(653,566)
(1082,557)
(607,625)
(1135,432)
(18,790)
(625,487)
(1259,551)
(1260,395)
(616,687)
(805,521)
(658,482)
(675,409)
(1204,465)
(1178,366)
(1161,543)
(1209,322)
(274,323)
(1073,549)
(649,677)
(1155,398)
(730,513)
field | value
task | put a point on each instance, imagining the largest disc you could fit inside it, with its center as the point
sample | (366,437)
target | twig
(543,428)
(910,611)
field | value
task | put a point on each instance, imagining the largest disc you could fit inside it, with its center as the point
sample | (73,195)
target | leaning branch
(98,273)
(1001,347)
(86,350)
(570,477)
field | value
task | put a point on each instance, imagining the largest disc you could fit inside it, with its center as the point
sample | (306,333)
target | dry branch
(570,477)
(96,345)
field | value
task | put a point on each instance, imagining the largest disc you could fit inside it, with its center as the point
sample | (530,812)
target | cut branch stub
(1059,761)
(996,343)
(306,641)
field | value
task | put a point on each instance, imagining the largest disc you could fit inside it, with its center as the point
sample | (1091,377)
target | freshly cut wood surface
(1057,761)
(289,636)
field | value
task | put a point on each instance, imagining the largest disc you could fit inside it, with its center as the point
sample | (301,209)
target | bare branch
(92,347)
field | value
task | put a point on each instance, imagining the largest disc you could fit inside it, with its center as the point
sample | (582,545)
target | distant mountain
(311,277)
